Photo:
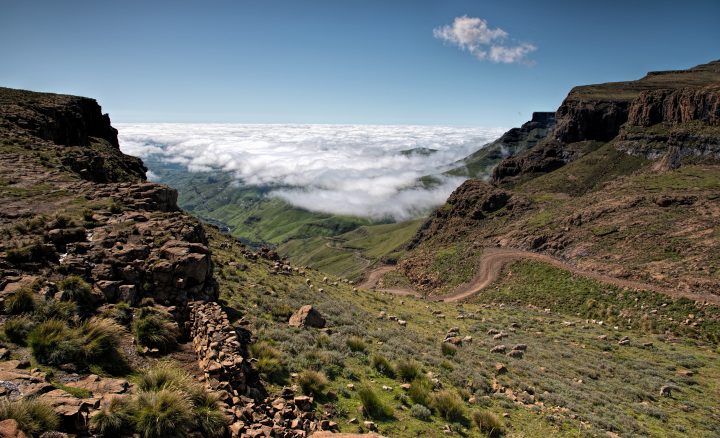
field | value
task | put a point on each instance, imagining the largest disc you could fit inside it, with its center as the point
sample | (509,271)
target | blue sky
(341,61)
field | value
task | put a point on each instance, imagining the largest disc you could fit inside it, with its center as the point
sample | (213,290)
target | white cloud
(345,169)
(485,43)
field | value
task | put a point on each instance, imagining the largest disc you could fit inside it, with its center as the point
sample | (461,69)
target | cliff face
(64,120)
(676,106)
(581,120)
(76,123)
(610,112)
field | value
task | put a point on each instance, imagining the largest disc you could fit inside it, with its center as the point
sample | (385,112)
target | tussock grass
(488,423)
(312,382)
(21,301)
(449,405)
(373,406)
(32,415)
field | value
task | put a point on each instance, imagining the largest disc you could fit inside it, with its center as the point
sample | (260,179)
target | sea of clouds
(357,170)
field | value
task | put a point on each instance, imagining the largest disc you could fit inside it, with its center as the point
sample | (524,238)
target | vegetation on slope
(574,379)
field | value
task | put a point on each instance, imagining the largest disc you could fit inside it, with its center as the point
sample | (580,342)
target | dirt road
(494,259)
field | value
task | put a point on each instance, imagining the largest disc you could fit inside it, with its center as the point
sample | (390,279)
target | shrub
(164,413)
(407,370)
(154,330)
(448,349)
(448,405)
(101,339)
(488,423)
(53,342)
(382,365)
(32,415)
(115,419)
(21,301)
(420,412)
(312,382)
(373,407)
(356,344)
(75,289)
(18,328)
(269,362)
(420,390)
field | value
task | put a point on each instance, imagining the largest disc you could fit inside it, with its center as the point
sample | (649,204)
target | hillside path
(494,259)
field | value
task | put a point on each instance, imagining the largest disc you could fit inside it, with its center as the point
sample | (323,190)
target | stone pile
(287,416)
(218,349)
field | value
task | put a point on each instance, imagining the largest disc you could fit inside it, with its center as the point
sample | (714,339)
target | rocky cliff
(601,113)
(615,150)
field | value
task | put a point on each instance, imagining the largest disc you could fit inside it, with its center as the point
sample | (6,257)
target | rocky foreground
(84,232)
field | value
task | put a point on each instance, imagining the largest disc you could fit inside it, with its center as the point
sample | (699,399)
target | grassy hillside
(350,254)
(574,378)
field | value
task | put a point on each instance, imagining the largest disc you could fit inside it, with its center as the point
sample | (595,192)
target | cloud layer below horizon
(359,170)
(483,42)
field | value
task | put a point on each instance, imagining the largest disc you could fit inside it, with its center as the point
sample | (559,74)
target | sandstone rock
(11,429)
(307,316)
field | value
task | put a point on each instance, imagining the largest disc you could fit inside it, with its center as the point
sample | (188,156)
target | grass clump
(356,344)
(407,370)
(155,329)
(120,312)
(101,339)
(33,416)
(18,328)
(54,343)
(114,419)
(488,423)
(269,362)
(449,405)
(312,382)
(420,412)
(373,406)
(170,404)
(382,365)
(420,390)
(22,301)
(163,413)
(73,288)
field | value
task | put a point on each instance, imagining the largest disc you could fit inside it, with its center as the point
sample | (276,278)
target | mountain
(625,184)
(123,315)
(481,163)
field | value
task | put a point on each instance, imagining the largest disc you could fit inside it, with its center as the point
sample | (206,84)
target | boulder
(10,429)
(307,316)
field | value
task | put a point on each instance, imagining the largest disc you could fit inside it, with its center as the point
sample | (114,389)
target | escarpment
(681,106)
(613,149)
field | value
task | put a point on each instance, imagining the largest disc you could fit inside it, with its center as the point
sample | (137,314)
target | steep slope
(626,184)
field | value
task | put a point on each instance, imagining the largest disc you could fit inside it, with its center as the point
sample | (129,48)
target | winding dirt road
(494,259)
